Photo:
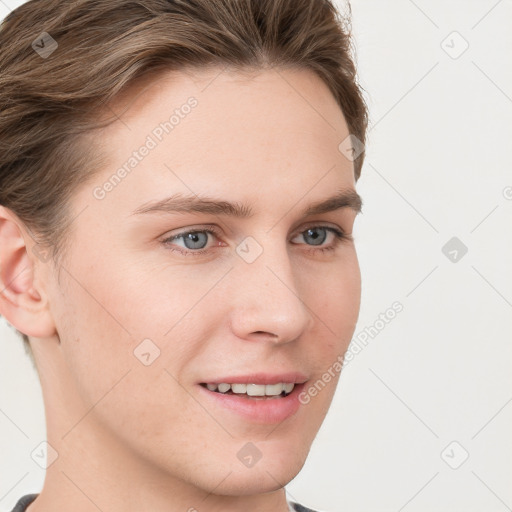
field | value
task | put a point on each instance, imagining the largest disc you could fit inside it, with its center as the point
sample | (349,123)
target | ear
(23,302)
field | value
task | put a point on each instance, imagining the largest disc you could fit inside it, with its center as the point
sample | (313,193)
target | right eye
(192,240)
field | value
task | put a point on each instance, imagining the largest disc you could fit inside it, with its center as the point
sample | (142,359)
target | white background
(438,164)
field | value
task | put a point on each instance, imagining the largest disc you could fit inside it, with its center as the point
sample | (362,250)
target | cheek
(337,302)
(96,327)
(114,319)
(337,311)
(102,324)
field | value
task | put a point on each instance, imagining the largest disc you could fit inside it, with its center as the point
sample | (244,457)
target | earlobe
(22,302)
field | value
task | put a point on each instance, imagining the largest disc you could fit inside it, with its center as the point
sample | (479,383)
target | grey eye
(194,240)
(315,238)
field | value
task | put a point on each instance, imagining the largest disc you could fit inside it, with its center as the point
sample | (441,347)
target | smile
(280,389)
(258,397)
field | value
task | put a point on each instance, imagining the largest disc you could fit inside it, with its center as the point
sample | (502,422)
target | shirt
(26,500)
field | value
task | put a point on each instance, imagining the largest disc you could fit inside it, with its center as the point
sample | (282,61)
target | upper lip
(260,378)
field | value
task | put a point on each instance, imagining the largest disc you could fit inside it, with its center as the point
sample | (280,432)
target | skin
(132,437)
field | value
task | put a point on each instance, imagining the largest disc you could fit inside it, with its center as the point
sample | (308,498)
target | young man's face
(144,324)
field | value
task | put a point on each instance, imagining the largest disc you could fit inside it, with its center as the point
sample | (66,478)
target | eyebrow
(180,203)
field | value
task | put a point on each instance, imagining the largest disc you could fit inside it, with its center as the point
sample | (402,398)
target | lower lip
(264,410)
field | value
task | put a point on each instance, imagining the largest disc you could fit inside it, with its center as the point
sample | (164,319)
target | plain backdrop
(422,417)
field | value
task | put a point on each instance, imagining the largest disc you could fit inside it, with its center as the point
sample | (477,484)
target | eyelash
(340,237)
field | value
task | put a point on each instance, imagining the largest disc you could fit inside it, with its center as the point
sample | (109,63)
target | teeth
(239,388)
(288,387)
(274,389)
(253,389)
(256,389)
(223,388)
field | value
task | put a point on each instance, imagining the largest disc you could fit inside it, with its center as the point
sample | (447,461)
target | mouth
(252,390)
(257,398)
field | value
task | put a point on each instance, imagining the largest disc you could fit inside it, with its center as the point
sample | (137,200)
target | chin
(257,480)
(272,472)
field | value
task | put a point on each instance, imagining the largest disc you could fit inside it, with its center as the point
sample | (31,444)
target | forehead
(235,133)
(232,105)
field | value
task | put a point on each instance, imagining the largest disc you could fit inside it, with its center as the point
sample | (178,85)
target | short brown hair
(48,102)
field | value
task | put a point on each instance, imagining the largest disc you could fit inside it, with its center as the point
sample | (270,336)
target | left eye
(195,240)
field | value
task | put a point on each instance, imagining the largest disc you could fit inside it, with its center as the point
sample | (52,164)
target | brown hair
(54,88)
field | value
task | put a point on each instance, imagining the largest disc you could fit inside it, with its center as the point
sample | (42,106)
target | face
(160,307)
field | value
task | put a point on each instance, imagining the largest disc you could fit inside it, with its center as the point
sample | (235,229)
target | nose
(269,302)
